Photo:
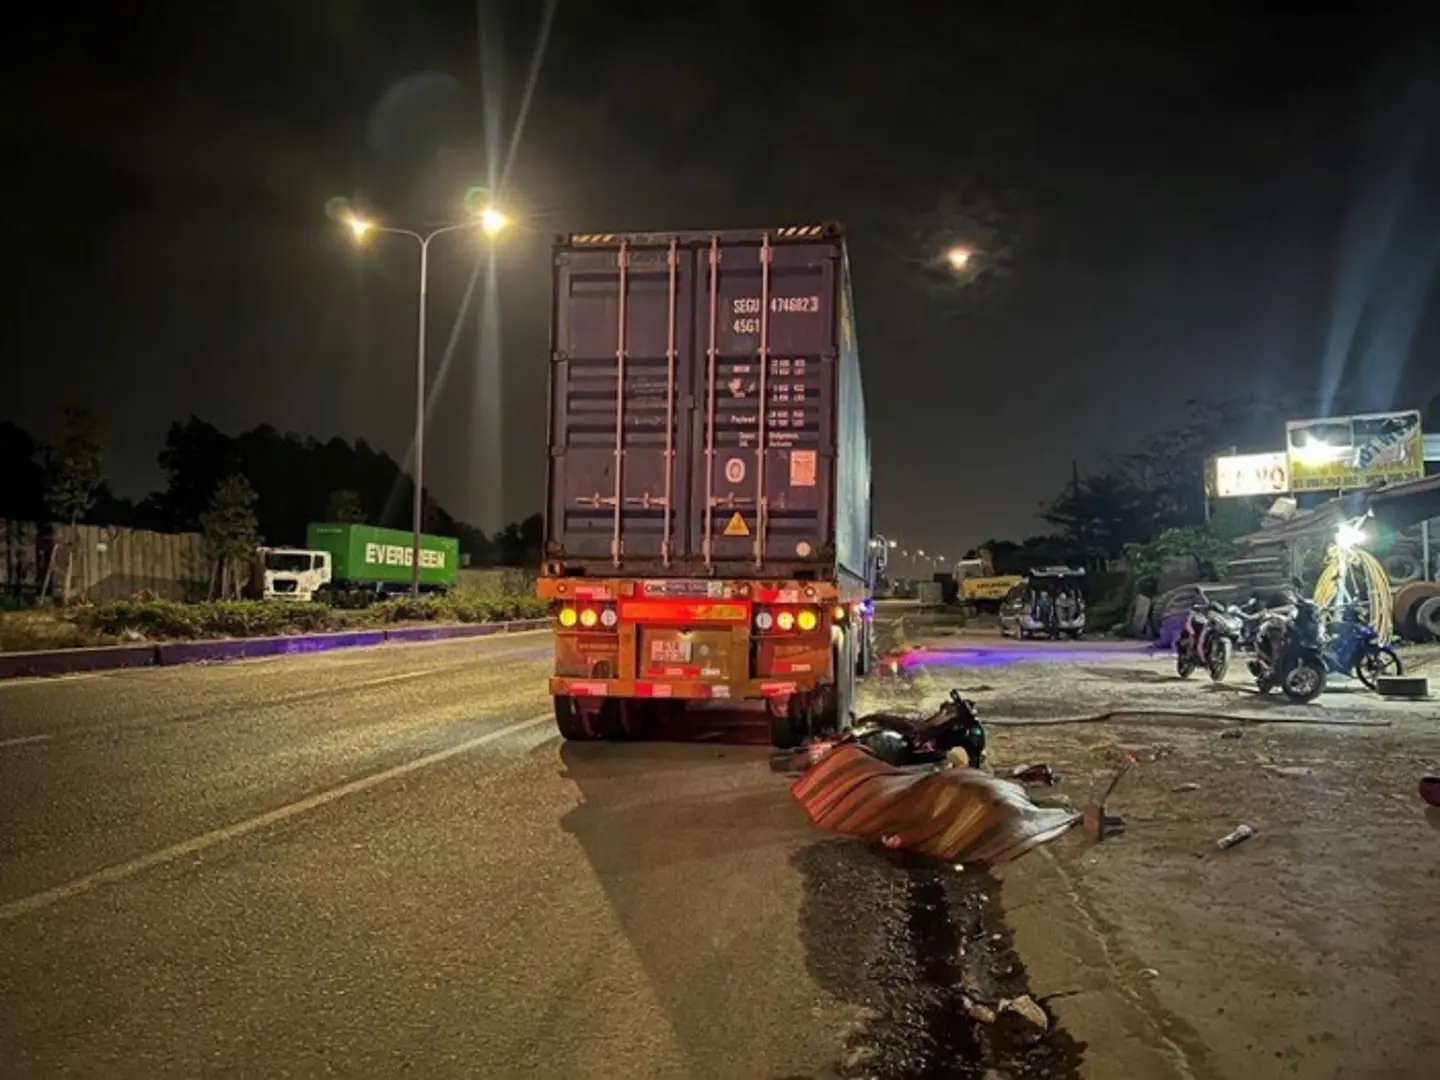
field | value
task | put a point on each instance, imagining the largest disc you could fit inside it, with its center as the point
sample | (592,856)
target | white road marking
(112,874)
(21,740)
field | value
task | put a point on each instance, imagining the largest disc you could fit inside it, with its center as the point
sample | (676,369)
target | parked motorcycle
(1289,652)
(1255,611)
(1354,649)
(1207,640)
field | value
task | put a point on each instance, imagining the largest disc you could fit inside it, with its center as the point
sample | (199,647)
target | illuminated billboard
(1343,453)
(1238,475)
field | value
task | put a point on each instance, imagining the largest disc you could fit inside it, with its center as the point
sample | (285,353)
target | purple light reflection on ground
(1002,657)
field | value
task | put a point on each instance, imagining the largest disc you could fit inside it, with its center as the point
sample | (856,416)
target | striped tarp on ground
(957,814)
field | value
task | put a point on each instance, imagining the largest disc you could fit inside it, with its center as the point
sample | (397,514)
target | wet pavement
(383,863)
(923,961)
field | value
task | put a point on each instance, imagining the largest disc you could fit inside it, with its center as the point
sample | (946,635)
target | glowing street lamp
(491,221)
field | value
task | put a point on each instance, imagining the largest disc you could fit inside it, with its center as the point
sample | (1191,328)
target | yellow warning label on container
(736,526)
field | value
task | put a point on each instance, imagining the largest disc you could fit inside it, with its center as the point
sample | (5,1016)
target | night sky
(1168,206)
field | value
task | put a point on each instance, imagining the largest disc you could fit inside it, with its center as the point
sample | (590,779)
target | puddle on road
(908,941)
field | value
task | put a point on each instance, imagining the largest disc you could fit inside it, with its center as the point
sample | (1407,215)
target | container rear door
(621,378)
(765,465)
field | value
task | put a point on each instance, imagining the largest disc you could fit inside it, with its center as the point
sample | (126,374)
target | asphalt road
(382,862)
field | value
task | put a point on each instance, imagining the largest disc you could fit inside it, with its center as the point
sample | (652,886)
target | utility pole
(1079,517)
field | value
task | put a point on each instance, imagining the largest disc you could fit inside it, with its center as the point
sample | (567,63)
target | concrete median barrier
(113,657)
(195,652)
(65,661)
(444,633)
(464,630)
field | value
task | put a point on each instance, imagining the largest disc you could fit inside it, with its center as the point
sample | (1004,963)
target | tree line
(1150,502)
(261,486)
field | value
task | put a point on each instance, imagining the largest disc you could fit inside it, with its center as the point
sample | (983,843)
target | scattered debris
(1179,789)
(1097,826)
(1231,733)
(857,1058)
(1290,770)
(1430,790)
(1239,835)
(1034,774)
(1027,1007)
(1138,752)
(1149,973)
(979,1012)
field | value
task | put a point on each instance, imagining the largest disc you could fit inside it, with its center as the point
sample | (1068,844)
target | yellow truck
(979,587)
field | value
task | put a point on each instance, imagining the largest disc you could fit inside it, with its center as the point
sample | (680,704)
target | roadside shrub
(155,619)
(219,618)
(25,631)
(464,607)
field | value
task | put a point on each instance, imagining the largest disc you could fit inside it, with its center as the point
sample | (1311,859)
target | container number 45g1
(779,305)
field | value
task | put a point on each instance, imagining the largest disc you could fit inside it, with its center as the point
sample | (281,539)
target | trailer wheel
(626,720)
(575,725)
(785,732)
(865,655)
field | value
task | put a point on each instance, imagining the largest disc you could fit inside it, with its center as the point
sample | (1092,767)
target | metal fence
(108,562)
(507,580)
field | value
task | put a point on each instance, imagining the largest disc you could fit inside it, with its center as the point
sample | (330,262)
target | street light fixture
(491,221)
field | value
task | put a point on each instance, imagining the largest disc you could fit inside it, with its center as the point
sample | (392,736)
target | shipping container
(707,416)
(367,555)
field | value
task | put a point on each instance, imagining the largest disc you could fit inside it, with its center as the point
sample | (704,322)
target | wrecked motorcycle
(901,740)
(904,741)
(1206,640)
(1288,653)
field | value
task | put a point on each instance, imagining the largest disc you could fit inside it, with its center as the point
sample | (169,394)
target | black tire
(1184,662)
(1403,568)
(1217,659)
(865,658)
(1376,662)
(1427,617)
(573,724)
(847,690)
(784,731)
(1304,682)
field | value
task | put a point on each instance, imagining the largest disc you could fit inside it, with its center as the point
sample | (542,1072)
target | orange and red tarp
(956,814)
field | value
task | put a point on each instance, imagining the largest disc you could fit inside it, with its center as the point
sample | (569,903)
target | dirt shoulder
(1310,950)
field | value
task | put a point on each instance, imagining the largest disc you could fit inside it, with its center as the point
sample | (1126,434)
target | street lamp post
(491,222)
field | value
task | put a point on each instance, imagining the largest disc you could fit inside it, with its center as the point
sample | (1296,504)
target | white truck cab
(291,573)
